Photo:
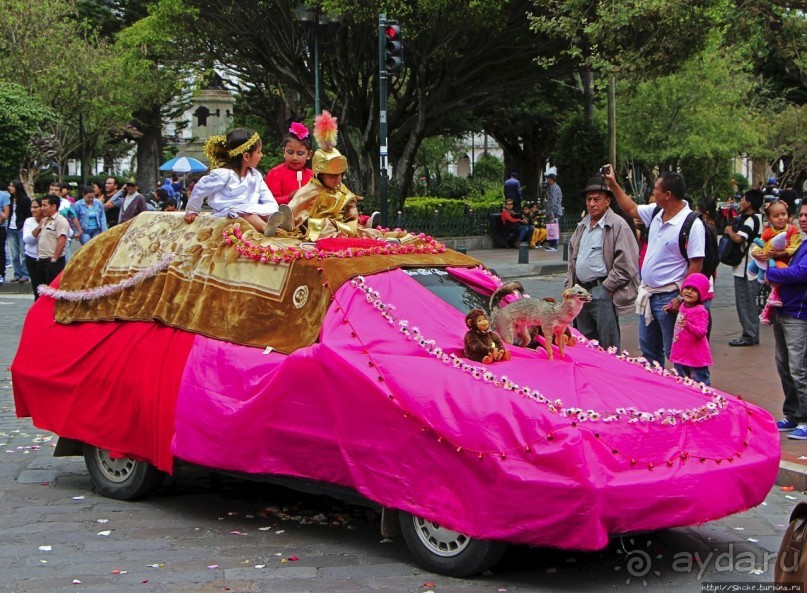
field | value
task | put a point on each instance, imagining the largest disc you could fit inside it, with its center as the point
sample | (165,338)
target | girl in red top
(291,175)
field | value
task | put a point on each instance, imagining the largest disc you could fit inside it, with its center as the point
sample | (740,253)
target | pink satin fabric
(370,409)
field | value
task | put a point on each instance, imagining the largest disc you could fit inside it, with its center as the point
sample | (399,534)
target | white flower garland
(98,292)
(664,416)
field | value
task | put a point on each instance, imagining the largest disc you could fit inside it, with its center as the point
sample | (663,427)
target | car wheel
(445,551)
(120,478)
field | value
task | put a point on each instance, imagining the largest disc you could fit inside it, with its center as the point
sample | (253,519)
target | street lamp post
(311,17)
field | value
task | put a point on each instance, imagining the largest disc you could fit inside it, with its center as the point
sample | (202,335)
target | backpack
(791,562)
(711,257)
(731,253)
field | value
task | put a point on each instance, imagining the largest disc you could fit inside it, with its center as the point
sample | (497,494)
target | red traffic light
(393,47)
(393,32)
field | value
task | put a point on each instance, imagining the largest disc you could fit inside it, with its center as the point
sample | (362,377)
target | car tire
(120,478)
(445,551)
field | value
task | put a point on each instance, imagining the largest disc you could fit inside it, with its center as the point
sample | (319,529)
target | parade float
(340,363)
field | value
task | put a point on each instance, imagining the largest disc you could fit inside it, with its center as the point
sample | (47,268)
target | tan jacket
(621,254)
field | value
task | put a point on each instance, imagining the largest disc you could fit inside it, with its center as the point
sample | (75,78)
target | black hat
(597,183)
(551,176)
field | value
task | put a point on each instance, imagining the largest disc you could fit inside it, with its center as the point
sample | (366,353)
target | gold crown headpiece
(216,149)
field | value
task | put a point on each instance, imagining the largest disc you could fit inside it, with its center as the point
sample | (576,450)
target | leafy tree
(631,36)
(46,49)
(703,113)
(581,150)
(489,168)
(22,120)
(461,58)
(155,67)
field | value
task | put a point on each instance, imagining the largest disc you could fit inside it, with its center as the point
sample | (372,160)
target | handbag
(552,231)
(791,562)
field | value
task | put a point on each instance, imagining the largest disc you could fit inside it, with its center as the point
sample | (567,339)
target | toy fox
(516,319)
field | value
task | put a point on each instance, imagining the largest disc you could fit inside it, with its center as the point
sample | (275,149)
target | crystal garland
(96,292)
(664,416)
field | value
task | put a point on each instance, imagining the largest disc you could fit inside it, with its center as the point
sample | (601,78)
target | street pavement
(203,532)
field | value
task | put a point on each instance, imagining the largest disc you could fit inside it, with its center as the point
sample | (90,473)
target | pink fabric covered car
(559,453)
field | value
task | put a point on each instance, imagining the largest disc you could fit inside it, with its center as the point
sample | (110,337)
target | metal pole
(382,120)
(612,119)
(316,64)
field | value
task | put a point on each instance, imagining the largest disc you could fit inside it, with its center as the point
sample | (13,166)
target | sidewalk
(748,372)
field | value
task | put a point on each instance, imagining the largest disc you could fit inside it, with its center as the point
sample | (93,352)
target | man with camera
(603,259)
(664,267)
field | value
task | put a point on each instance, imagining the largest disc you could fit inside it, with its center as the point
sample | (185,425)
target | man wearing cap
(512,190)
(133,202)
(603,259)
(770,191)
(664,267)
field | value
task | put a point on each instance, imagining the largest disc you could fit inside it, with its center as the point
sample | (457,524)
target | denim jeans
(89,234)
(700,374)
(790,335)
(15,248)
(524,232)
(655,340)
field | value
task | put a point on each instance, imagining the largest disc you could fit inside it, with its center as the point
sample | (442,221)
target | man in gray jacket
(603,259)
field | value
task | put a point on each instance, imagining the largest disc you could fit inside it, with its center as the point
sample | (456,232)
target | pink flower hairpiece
(298,130)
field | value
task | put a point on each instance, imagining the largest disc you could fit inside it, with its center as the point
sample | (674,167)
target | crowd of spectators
(37,233)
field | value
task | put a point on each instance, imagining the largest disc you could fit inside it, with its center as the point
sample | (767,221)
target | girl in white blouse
(234,187)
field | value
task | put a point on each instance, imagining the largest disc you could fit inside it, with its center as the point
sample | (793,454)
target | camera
(605,170)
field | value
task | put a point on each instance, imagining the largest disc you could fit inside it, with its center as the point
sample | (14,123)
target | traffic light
(394,47)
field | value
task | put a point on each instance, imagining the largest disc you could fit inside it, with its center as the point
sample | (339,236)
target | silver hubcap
(439,540)
(115,470)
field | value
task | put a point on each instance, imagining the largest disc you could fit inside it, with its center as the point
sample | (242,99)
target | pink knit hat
(700,283)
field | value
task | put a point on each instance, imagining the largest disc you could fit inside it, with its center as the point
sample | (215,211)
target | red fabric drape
(81,380)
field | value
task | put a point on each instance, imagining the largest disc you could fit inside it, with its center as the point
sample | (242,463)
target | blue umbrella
(183,164)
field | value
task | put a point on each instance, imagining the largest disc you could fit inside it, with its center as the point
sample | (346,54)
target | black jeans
(3,235)
(51,269)
(34,273)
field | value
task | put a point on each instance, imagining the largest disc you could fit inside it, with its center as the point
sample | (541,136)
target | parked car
(379,403)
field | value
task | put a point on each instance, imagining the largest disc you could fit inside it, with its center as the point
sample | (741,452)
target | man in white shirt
(664,267)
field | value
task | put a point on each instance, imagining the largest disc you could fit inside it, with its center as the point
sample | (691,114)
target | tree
(703,113)
(46,49)
(460,57)
(22,120)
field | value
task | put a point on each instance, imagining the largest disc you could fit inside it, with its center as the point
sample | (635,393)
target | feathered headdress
(326,131)
(327,159)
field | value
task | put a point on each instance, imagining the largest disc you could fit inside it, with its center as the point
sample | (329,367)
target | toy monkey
(481,343)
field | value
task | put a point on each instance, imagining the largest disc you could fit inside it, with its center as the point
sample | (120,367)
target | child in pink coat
(690,348)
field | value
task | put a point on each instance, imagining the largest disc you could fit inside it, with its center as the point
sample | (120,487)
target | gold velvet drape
(209,288)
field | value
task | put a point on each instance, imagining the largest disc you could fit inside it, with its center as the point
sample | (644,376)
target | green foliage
(582,150)
(423,207)
(787,135)
(489,168)
(21,119)
(643,36)
(702,115)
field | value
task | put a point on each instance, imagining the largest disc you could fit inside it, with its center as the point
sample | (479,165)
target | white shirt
(231,195)
(745,231)
(590,264)
(30,243)
(663,262)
